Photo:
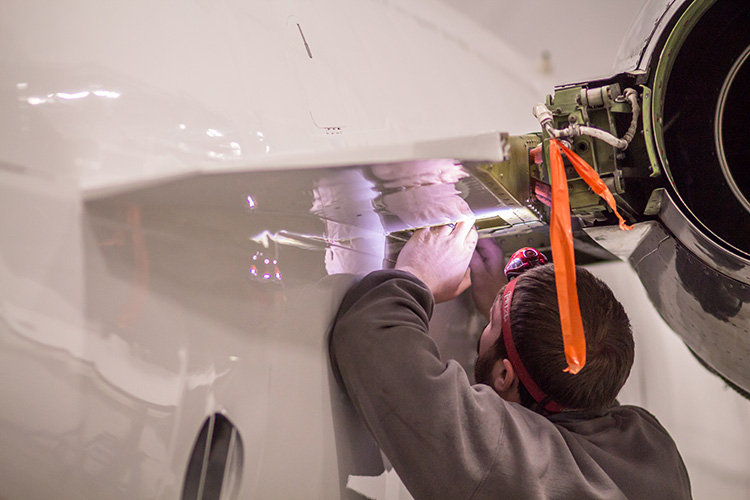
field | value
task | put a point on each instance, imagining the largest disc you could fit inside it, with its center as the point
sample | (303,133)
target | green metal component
(654,202)
(491,224)
(666,62)
(594,107)
(620,107)
(634,174)
(565,101)
(648,133)
(510,177)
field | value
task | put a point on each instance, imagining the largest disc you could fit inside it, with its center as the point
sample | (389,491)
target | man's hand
(439,256)
(487,274)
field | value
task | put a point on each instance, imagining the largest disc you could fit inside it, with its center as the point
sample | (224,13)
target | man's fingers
(463,228)
(472,238)
(491,253)
(443,229)
(488,248)
(476,261)
(483,248)
(465,282)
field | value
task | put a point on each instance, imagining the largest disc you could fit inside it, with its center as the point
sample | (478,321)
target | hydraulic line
(545,119)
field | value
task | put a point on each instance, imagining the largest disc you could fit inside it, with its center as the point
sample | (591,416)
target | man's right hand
(439,256)
(487,274)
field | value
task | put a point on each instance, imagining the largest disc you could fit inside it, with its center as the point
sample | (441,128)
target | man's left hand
(439,256)
(487,274)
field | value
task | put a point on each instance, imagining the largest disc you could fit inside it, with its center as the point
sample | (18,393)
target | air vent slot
(215,467)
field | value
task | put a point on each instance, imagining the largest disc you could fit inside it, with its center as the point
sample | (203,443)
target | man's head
(537,335)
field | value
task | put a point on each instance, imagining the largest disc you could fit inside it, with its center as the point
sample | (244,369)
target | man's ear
(503,376)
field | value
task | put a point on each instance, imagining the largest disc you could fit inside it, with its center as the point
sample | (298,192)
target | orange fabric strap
(561,235)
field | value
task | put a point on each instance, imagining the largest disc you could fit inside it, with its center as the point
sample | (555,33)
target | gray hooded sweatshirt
(448,439)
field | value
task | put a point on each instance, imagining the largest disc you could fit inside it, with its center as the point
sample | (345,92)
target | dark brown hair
(535,323)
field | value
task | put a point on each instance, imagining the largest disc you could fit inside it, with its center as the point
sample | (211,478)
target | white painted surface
(128,92)
(580,37)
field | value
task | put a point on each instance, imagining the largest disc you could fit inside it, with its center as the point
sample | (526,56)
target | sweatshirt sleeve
(424,413)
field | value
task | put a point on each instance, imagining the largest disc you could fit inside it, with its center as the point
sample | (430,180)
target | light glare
(75,95)
(109,94)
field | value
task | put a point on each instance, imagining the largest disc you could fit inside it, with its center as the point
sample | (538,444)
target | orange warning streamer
(589,175)
(561,235)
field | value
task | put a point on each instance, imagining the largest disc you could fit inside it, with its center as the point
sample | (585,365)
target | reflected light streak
(75,95)
(513,216)
(250,201)
(109,94)
(303,241)
(133,308)
(214,133)
(262,138)
(68,96)
(503,213)
(506,221)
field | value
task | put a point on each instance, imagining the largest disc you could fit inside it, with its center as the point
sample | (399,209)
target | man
(565,438)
